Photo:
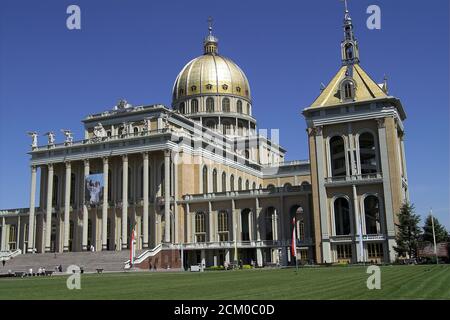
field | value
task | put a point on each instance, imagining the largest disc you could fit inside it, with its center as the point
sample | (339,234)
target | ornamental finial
(210,42)
(210,25)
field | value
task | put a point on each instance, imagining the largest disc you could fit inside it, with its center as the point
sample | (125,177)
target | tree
(439,230)
(409,232)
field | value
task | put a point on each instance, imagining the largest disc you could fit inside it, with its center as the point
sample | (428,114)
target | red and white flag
(294,242)
(132,250)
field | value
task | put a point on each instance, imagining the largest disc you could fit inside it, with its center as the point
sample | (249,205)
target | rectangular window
(344,251)
(375,250)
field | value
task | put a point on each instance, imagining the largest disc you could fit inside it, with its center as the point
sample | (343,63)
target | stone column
(124,201)
(3,237)
(358,228)
(188,224)
(257,219)
(67,206)
(105,204)
(31,223)
(167,196)
(18,246)
(85,208)
(145,195)
(48,218)
(210,223)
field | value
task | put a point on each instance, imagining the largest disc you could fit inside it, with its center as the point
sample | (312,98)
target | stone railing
(244,193)
(130,135)
(366,237)
(17,211)
(369,237)
(355,178)
(232,244)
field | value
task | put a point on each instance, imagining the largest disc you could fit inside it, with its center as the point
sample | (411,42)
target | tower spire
(349,46)
(210,43)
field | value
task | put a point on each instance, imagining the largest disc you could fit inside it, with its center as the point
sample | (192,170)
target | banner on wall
(93,189)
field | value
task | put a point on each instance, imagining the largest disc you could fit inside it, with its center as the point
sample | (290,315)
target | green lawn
(397,282)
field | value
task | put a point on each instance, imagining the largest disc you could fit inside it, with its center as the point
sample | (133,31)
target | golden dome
(210,74)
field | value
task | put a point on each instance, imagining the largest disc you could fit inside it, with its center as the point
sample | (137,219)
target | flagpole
(235,243)
(434,236)
(294,243)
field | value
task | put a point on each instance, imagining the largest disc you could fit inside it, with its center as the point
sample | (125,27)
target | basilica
(197,182)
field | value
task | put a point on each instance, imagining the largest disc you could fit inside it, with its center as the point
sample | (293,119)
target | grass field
(397,282)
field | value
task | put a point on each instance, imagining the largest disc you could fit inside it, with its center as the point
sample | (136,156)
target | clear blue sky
(51,78)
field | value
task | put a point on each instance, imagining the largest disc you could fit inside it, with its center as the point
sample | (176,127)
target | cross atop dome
(210,43)
(210,24)
(349,46)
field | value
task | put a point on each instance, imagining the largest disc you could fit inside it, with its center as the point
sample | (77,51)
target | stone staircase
(90,261)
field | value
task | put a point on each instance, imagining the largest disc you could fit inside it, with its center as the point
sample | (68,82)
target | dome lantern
(210,43)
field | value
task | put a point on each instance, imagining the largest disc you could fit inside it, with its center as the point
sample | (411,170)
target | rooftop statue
(34,142)
(51,137)
(69,136)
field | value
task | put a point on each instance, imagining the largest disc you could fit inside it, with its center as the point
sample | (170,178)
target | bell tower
(358,166)
(349,45)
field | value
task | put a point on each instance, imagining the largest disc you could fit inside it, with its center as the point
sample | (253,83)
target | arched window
(214,180)
(141,183)
(372,215)
(194,106)
(89,241)
(205,179)
(254,186)
(200,228)
(163,180)
(247,154)
(55,190)
(226,105)
(211,124)
(248,109)
(349,51)
(269,218)
(226,128)
(223,225)
(337,153)
(240,184)
(209,104)
(72,188)
(110,194)
(130,184)
(347,90)
(136,130)
(240,128)
(287,186)
(247,185)
(224,181)
(245,224)
(342,216)
(271,187)
(232,182)
(71,233)
(120,185)
(239,106)
(367,155)
(182,108)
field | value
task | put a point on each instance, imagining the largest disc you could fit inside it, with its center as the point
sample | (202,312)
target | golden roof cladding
(366,88)
(211,74)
